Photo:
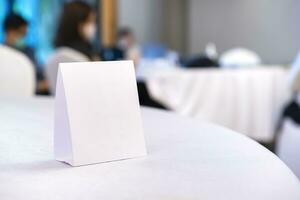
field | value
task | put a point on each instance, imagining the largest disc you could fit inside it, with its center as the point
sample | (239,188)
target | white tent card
(97,113)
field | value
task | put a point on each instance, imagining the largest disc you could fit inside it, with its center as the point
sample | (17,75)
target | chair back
(17,76)
(63,54)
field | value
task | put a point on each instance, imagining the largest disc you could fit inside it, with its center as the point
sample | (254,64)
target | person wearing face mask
(131,51)
(77,29)
(15,30)
(73,40)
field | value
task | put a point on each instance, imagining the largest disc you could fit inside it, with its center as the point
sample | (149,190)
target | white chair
(17,76)
(239,57)
(62,54)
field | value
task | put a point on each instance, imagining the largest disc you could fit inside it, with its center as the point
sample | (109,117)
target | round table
(186,159)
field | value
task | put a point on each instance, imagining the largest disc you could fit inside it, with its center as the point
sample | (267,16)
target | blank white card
(97,113)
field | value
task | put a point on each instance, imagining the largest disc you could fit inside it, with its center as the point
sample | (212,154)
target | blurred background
(187,27)
(233,62)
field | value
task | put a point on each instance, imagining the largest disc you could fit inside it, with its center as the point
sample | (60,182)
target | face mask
(89,31)
(20,43)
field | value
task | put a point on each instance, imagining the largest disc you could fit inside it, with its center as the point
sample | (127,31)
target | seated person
(131,51)
(128,45)
(73,41)
(77,29)
(15,30)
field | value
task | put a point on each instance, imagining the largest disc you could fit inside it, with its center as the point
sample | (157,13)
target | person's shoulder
(4,49)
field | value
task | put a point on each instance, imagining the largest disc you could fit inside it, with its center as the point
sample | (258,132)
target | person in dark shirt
(77,28)
(15,29)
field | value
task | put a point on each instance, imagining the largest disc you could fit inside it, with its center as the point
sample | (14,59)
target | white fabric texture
(17,77)
(186,160)
(248,101)
(61,55)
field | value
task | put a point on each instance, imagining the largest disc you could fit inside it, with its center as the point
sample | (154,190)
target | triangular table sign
(97,113)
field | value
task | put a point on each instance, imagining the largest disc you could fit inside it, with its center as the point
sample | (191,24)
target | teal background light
(42,16)
(3,13)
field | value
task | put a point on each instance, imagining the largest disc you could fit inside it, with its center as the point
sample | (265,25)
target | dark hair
(72,16)
(14,22)
(124,32)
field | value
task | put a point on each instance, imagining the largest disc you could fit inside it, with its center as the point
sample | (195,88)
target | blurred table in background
(246,100)
(186,160)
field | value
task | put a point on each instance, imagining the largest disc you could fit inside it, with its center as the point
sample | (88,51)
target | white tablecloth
(186,160)
(248,100)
